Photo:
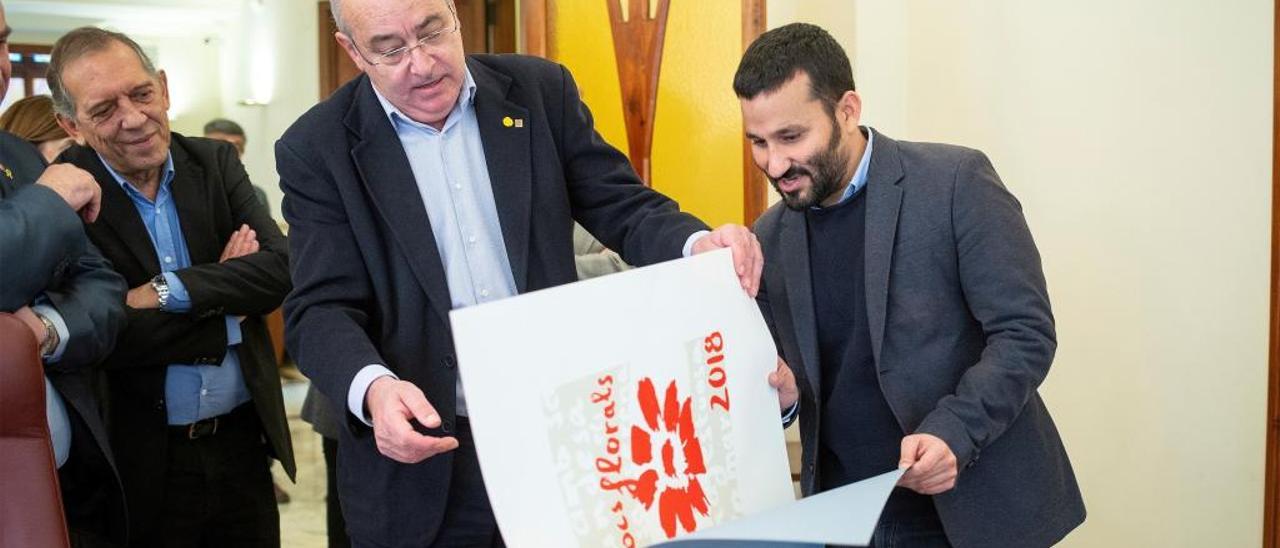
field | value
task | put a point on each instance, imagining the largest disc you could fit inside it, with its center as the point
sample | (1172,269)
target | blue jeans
(918,532)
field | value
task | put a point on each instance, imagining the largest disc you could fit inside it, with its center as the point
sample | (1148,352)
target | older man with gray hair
(196,407)
(433,181)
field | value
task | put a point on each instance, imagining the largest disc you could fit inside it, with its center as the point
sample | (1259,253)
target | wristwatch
(161,285)
(51,337)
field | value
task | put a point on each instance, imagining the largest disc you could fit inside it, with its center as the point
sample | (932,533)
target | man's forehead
(770,112)
(113,68)
(379,16)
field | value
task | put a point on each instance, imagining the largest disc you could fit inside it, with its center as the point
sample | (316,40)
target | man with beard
(903,287)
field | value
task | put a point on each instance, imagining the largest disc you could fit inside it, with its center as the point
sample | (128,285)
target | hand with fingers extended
(243,241)
(931,465)
(784,381)
(76,186)
(748,259)
(392,403)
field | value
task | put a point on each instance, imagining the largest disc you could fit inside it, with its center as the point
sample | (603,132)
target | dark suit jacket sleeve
(327,317)
(40,235)
(608,199)
(91,303)
(1003,284)
(152,338)
(251,285)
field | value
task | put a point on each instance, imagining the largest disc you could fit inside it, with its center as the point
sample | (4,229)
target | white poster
(632,409)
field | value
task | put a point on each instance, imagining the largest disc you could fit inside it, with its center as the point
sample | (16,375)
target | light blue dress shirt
(859,180)
(449,168)
(452,176)
(54,406)
(192,392)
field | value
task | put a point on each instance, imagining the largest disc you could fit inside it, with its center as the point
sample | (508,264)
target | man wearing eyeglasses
(195,403)
(436,181)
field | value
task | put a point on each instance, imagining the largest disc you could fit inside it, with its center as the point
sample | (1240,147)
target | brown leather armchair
(30,501)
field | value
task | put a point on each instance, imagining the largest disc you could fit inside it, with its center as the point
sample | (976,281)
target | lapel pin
(508,121)
(7,173)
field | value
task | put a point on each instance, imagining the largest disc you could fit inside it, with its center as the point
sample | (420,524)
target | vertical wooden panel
(534,27)
(637,45)
(502,26)
(336,68)
(755,193)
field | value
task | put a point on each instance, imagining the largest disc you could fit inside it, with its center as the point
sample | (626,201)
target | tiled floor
(302,522)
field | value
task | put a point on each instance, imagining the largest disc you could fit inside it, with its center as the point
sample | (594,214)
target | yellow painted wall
(697,138)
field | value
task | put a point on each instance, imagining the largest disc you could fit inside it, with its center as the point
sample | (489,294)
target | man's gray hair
(79,43)
(335,9)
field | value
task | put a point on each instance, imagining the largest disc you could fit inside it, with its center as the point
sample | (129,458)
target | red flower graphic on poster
(667,449)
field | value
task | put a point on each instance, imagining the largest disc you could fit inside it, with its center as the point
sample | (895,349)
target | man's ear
(849,109)
(69,125)
(164,87)
(349,46)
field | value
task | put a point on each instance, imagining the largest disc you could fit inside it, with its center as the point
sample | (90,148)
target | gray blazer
(44,252)
(961,331)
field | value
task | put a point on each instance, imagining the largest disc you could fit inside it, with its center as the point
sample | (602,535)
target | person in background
(223,129)
(326,420)
(592,258)
(31,118)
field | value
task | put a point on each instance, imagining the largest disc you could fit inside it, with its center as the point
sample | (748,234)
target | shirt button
(168,259)
(484,292)
(471,240)
(204,391)
(457,186)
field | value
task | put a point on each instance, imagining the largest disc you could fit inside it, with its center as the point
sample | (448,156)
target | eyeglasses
(432,39)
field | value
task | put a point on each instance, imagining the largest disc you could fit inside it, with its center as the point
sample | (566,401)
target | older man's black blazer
(214,197)
(369,284)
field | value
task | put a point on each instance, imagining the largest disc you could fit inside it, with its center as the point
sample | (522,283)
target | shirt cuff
(360,386)
(179,299)
(59,325)
(790,415)
(233,331)
(688,244)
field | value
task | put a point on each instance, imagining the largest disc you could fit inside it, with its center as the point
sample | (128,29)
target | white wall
(273,47)
(1138,137)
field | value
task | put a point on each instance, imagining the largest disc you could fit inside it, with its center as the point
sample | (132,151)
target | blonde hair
(31,118)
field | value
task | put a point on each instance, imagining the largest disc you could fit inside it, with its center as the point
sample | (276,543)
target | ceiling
(144,17)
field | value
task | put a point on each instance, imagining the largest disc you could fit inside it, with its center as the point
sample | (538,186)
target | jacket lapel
(884,198)
(383,169)
(507,155)
(118,211)
(795,260)
(190,196)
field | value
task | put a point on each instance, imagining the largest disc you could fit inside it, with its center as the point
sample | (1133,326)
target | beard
(826,172)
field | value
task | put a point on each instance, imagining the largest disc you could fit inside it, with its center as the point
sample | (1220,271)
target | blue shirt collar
(166,175)
(859,175)
(465,100)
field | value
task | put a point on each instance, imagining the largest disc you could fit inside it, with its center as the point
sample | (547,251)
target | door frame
(1270,525)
